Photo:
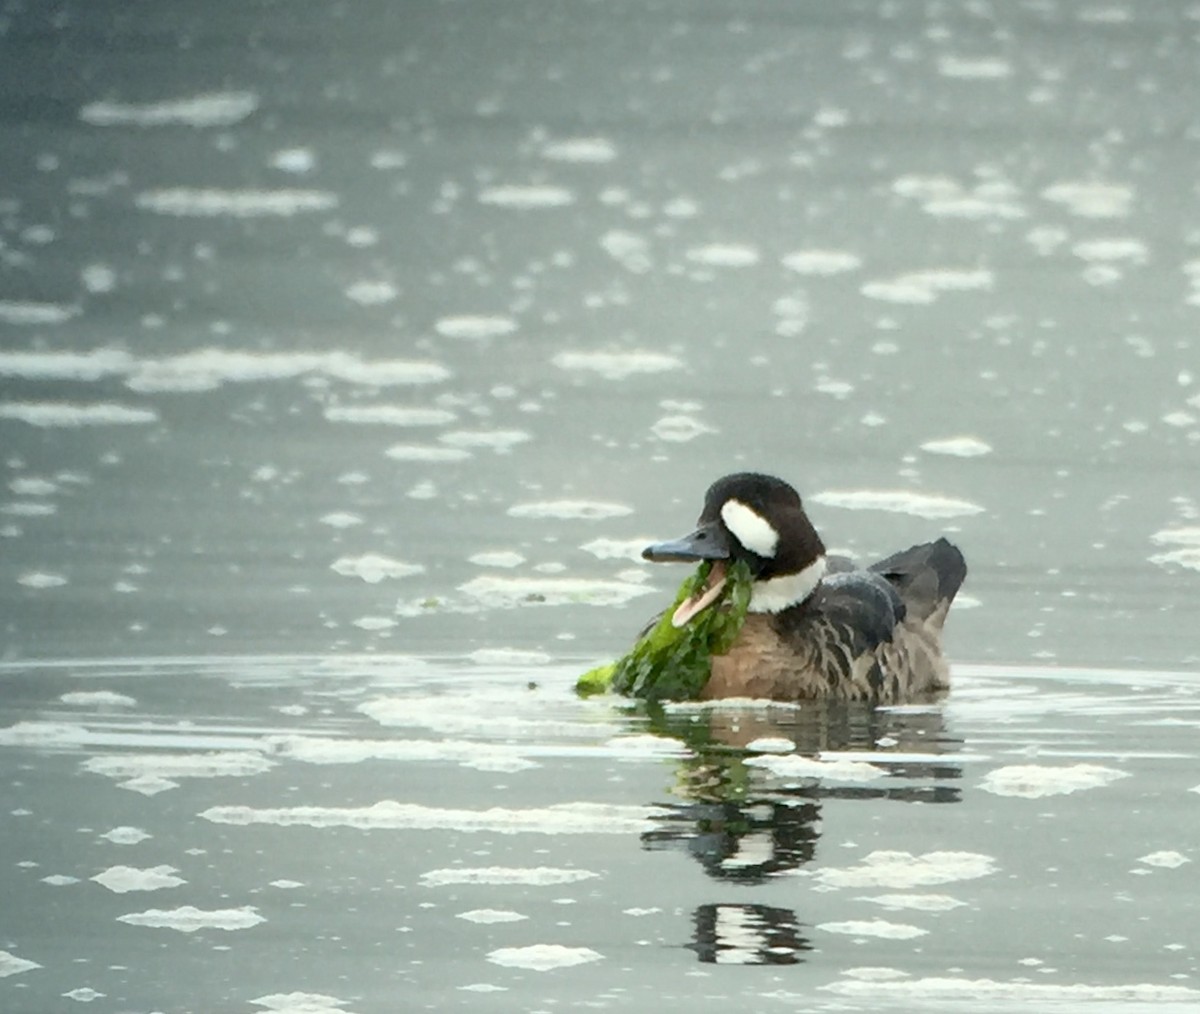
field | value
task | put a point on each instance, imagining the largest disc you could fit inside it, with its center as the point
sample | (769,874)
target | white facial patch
(750,528)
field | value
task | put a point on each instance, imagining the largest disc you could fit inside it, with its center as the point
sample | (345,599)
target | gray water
(349,354)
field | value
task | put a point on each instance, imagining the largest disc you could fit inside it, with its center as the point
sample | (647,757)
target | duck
(817,626)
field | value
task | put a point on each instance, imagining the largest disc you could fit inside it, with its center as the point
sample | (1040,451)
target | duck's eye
(750,528)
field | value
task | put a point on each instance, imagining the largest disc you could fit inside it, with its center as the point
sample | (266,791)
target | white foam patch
(301,1003)
(587,510)
(616,549)
(55,414)
(1091,198)
(221,764)
(503,558)
(1034,781)
(374,567)
(27,509)
(389,415)
(617,365)
(915,902)
(211,109)
(125,835)
(488,916)
(1188,553)
(771,744)
(41,579)
(500,441)
(207,369)
(750,528)
(957,447)
(66,365)
(478,756)
(1167,859)
(972,992)
(679,429)
(33,486)
(974,68)
(388,814)
(475,327)
(793,766)
(903,870)
(526,198)
(122,879)
(629,250)
(922,505)
(874,928)
(371,292)
(15,312)
(724,255)
(507,592)
(427,454)
(189,919)
(1114,249)
(97,699)
(200,202)
(580,149)
(921,287)
(10,964)
(822,262)
(508,656)
(506,876)
(543,957)
(294,160)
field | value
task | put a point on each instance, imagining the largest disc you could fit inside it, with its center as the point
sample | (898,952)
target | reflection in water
(748,935)
(752,786)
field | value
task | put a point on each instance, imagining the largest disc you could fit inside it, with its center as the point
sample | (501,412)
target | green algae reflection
(673,663)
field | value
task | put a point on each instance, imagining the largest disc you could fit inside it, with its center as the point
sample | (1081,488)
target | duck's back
(869,634)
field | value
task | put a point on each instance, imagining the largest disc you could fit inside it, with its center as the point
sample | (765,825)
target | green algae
(673,663)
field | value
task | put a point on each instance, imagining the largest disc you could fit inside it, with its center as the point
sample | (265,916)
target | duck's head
(759,519)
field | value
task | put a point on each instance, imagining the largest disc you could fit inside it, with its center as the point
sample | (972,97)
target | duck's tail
(926,577)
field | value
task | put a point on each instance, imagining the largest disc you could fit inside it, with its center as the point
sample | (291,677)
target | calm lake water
(349,353)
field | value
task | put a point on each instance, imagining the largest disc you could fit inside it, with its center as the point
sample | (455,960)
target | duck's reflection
(748,935)
(746,820)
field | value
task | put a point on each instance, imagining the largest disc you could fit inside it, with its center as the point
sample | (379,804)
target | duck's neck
(786,590)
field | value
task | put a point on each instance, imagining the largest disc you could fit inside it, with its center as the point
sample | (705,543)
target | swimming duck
(817,626)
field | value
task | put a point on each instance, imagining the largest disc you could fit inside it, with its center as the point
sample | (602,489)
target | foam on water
(879,928)
(210,109)
(374,567)
(915,902)
(926,286)
(586,510)
(617,365)
(489,916)
(36,313)
(92,365)
(974,68)
(123,879)
(475,327)
(298,1002)
(389,415)
(526,198)
(957,447)
(795,766)
(558,819)
(593,150)
(1035,781)
(200,202)
(426,453)
(10,964)
(506,876)
(543,957)
(903,870)
(97,699)
(189,919)
(1091,198)
(971,992)
(70,415)
(507,592)
(724,255)
(821,262)
(922,505)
